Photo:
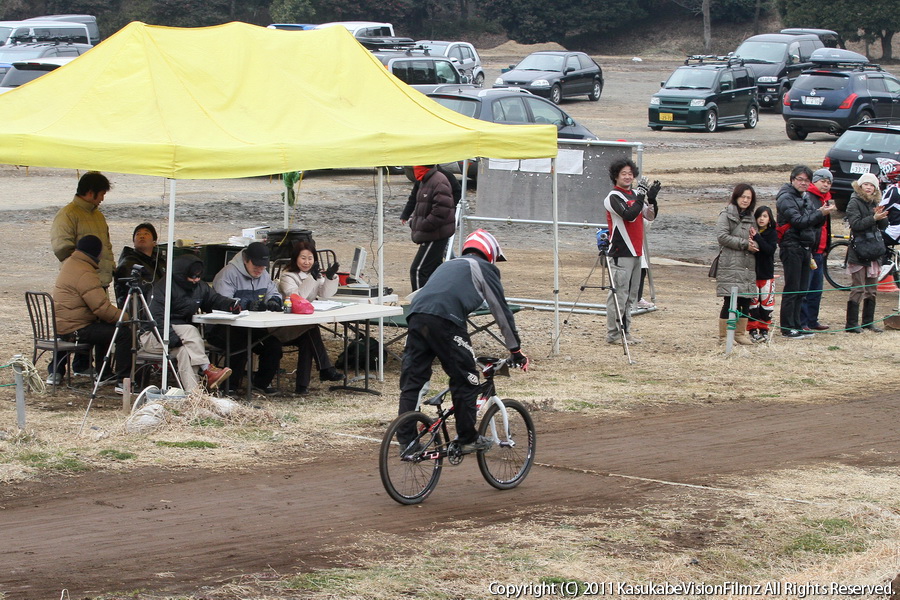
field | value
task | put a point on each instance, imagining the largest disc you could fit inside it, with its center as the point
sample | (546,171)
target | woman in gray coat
(865,218)
(737,264)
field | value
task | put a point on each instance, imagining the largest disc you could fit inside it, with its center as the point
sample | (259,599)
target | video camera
(603,239)
(138,275)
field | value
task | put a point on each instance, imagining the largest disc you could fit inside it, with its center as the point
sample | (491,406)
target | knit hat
(90,245)
(258,254)
(822,174)
(148,227)
(868,178)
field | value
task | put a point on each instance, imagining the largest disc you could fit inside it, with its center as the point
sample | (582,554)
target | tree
(870,20)
(291,11)
(535,21)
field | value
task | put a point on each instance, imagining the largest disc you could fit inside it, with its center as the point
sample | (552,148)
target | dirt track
(158,529)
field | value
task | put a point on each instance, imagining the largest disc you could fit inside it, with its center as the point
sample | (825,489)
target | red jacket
(825,233)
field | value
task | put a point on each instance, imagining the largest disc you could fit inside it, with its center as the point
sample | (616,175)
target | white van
(20,32)
(89,20)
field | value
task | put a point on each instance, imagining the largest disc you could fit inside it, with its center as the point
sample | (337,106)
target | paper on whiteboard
(536,165)
(503,164)
(570,162)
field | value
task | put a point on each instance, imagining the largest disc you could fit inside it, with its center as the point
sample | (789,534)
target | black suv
(843,89)
(857,152)
(706,93)
(777,59)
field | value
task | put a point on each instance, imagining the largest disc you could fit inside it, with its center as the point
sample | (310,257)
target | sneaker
(215,376)
(120,387)
(268,390)
(55,379)
(84,373)
(885,270)
(407,451)
(755,335)
(792,334)
(330,374)
(613,340)
(480,443)
(645,304)
(631,339)
(301,391)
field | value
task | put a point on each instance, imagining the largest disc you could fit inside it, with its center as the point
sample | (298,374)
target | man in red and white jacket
(626,210)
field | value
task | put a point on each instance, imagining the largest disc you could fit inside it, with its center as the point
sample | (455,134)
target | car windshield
(823,81)
(764,52)
(435,47)
(541,62)
(464,106)
(868,141)
(695,79)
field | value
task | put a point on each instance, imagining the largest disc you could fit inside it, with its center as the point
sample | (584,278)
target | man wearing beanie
(83,310)
(819,195)
(145,254)
(799,228)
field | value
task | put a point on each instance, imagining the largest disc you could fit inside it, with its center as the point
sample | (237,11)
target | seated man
(84,312)
(186,345)
(144,254)
(246,279)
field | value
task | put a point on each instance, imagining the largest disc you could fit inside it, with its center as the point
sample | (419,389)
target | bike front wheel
(508,461)
(835,264)
(410,478)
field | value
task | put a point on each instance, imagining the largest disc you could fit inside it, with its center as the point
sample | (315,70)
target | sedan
(858,151)
(555,75)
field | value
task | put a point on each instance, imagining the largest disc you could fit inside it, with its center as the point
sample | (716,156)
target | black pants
(795,261)
(429,337)
(100,335)
(427,259)
(743,307)
(265,345)
(310,347)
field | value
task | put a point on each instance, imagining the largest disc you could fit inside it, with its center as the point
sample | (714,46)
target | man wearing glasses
(185,342)
(799,229)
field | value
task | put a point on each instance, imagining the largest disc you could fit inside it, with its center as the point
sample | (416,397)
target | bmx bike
(411,472)
(835,263)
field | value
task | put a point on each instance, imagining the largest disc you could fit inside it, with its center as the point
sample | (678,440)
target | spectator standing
(819,195)
(762,304)
(626,210)
(799,228)
(432,222)
(735,230)
(865,218)
(145,254)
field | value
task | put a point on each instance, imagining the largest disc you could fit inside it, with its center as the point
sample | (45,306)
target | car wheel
(752,117)
(479,80)
(555,94)
(864,116)
(779,106)
(794,134)
(596,90)
(712,120)
(656,127)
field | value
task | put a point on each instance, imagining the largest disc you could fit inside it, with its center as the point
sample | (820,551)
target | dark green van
(706,93)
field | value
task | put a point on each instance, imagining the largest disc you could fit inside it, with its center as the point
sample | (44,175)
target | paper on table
(227,314)
(326,304)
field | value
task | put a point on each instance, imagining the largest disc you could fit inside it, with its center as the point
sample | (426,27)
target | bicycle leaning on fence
(411,472)
(835,263)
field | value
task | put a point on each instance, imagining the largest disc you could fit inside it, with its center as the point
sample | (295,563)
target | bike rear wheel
(508,461)
(410,480)
(835,264)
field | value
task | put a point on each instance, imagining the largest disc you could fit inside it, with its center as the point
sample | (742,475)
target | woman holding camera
(737,263)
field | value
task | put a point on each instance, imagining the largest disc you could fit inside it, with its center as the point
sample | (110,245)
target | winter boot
(868,316)
(852,325)
(740,334)
(723,329)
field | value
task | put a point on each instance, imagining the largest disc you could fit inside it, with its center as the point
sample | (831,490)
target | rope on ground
(30,374)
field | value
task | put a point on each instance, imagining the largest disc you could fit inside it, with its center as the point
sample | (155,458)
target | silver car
(463,54)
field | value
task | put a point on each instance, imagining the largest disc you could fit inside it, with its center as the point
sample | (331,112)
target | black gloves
(315,272)
(654,190)
(332,271)
(275,304)
(256,306)
(641,189)
(236,307)
(175,341)
(519,360)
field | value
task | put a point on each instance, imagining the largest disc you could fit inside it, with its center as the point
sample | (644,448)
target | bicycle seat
(437,400)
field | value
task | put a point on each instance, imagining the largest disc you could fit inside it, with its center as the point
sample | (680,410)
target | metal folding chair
(42,312)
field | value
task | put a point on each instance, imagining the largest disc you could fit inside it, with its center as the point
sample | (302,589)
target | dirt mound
(512,48)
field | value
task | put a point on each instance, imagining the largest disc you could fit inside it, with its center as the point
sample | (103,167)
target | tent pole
(379,196)
(170,254)
(555,193)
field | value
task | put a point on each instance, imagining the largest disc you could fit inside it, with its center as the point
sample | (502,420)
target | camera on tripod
(603,240)
(139,274)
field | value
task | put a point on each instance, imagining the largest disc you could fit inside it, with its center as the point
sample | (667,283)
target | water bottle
(287,306)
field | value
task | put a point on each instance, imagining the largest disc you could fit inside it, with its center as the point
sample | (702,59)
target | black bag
(347,360)
(714,267)
(868,246)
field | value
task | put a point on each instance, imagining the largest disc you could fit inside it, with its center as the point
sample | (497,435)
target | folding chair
(486,327)
(42,312)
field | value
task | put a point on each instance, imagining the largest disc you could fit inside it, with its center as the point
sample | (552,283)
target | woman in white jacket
(302,277)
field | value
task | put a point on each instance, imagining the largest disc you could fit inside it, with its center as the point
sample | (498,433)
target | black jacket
(154,269)
(805,220)
(765,259)
(187,298)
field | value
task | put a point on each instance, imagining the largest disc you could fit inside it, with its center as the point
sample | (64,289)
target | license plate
(665,116)
(859,168)
(812,100)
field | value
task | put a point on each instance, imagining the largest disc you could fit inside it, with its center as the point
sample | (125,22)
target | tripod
(136,303)
(607,273)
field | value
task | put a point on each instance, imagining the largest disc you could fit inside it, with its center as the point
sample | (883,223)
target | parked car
(511,106)
(857,152)
(423,72)
(22,72)
(291,26)
(777,59)
(90,21)
(706,93)
(842,89)
(371,34)
(555,75)
(22,52)
(24,32)
(831,39)
(467,60)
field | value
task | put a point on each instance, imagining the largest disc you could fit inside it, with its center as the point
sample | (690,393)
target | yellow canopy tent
(238,100)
